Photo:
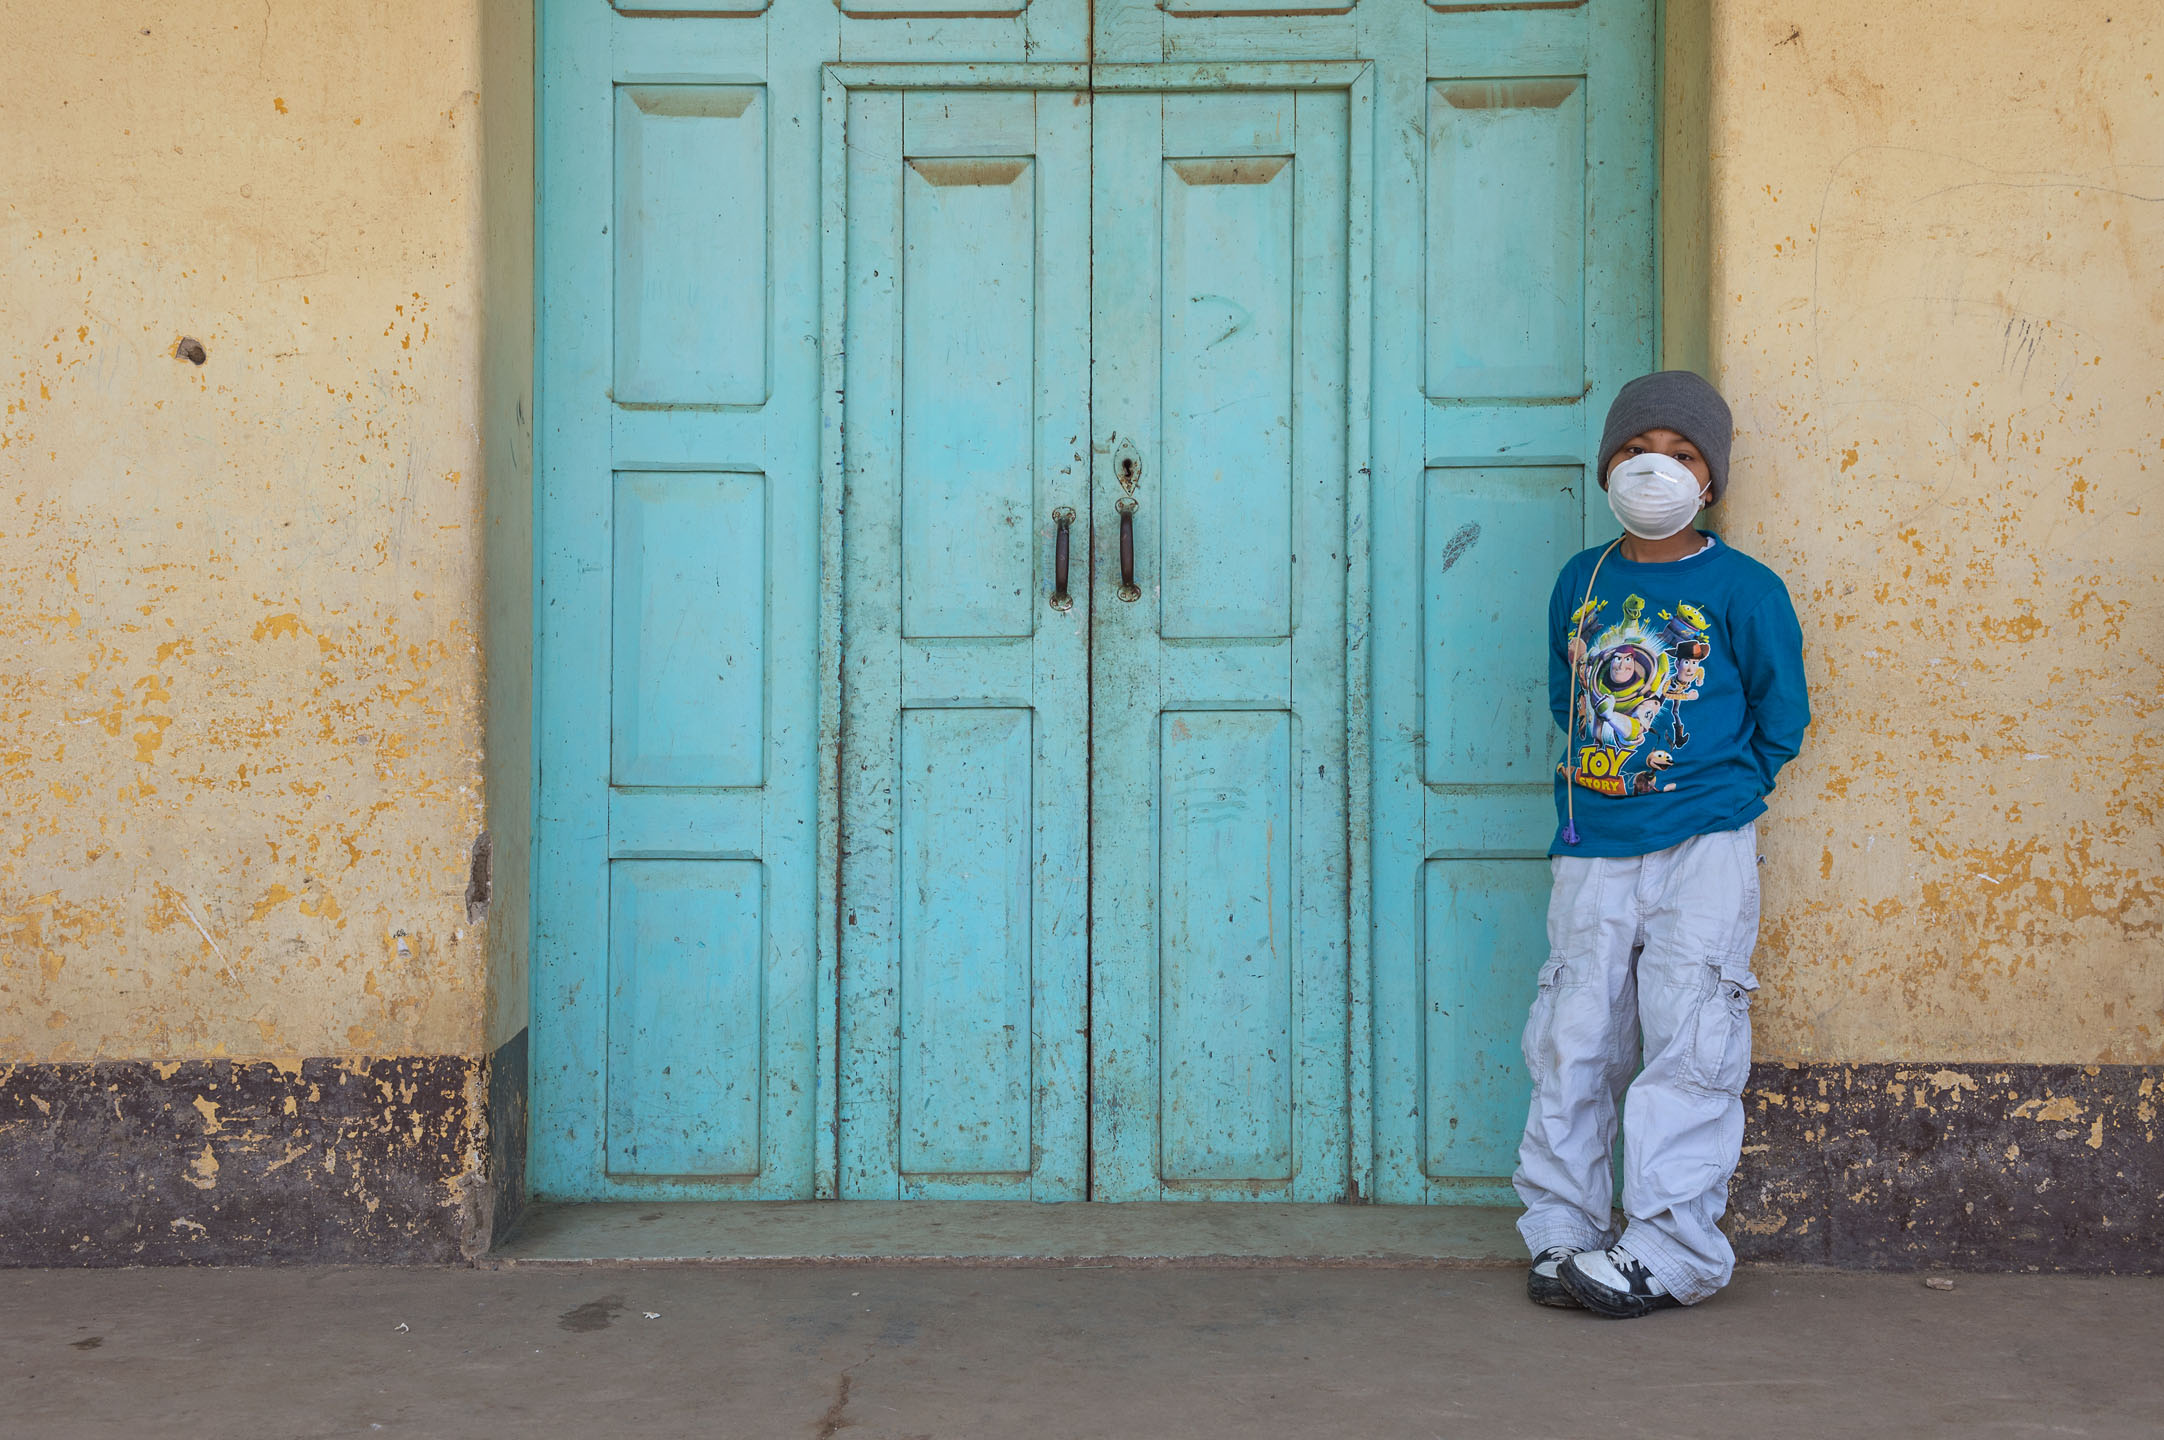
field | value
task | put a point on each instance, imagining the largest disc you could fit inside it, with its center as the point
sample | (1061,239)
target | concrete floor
(740,1232)
(875,1352)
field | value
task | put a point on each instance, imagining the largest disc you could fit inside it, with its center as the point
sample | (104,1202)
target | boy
(1654,913)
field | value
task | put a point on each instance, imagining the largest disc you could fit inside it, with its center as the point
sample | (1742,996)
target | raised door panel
(687,676)
(1227,945)
(1506,238)
(1211,9)
(685,9)
(684,1009)
(691,245)
(963,1088)
(1494,538)
(1481,949)
(1226,489)
(969,262)
(931,9)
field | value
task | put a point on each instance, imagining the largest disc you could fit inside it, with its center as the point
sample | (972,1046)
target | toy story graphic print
(1635,674)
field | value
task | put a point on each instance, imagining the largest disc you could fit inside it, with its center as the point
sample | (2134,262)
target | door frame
(1357,79)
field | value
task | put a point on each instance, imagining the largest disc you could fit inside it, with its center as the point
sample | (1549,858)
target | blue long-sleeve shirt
(1690,696)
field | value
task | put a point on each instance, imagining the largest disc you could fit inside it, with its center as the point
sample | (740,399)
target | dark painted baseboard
(506,1138)
(422,1160)
(221,1162)
(1995,1167)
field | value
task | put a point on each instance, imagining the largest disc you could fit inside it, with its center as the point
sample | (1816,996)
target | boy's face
(1675,447)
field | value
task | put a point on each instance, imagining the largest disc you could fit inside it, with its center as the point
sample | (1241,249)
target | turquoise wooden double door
(1043,524)
(1094,892)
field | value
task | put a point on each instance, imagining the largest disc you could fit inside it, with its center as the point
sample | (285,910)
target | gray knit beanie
(1678,400)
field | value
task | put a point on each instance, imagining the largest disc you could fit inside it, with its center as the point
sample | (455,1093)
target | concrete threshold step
(986,1233)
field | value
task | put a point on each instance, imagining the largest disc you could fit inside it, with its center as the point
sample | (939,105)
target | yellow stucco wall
(241,605)
(239,638)
(1937,301)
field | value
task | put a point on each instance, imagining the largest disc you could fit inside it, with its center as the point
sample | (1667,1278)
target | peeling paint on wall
(1937,310)
(239,549)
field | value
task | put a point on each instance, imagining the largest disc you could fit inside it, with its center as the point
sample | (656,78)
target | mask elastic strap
(1570,720)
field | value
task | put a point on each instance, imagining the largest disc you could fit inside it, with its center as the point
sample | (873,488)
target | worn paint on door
(1218,792)
(1184,720)
(1536,273)
(864,868)
(965,692)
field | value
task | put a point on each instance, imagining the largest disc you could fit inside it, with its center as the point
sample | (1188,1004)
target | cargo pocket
(1719,1061)
(1539,1041)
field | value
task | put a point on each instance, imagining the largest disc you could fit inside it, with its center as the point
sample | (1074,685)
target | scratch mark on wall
(225,966)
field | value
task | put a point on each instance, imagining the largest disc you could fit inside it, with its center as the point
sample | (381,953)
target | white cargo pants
(1663,942)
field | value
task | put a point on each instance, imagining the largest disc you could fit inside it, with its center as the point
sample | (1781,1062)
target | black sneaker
(1541,1285)
(1613,1283)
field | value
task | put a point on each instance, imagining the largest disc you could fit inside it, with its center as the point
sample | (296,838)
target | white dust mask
(1653,495)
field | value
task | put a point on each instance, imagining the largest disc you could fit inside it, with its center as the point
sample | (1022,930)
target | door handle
(1128,591)
(1063,518)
